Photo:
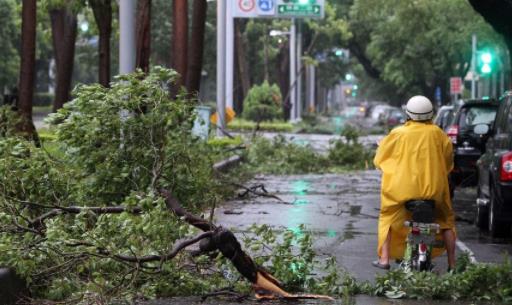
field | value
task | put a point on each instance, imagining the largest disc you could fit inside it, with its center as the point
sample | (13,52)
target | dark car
(494,192)
(444,116)
(468,146)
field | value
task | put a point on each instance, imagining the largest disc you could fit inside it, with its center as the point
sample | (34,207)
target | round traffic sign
(246,5)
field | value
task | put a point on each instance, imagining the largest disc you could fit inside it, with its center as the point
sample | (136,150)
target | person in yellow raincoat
(415,160)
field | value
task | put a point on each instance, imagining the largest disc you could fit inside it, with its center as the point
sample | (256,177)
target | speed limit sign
(246,5)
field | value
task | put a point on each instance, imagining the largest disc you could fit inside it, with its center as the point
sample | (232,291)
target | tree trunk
(28,57)
(64,27)
(243,66)
(102,10)
(180,39)
(195,60)
(143,35)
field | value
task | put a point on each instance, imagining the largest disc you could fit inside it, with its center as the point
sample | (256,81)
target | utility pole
(221,66)
(293,71)
(230,53)
(473,66)
(127,47)
(298,87)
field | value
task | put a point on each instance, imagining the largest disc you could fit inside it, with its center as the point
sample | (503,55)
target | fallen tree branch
(226,242)
(253,190)
(39,221)
(168,256)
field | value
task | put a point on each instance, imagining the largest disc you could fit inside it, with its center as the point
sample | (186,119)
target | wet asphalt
(342,212)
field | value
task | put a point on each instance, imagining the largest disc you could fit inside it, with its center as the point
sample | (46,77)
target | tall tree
(102,10)
(195,60)
(28,57)
(9,35)
(143,35)
(180,39)
(498,14)
(241,64)
(64,31)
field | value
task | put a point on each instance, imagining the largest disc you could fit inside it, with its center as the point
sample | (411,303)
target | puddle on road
(301,202)
(355,210)
(300,187)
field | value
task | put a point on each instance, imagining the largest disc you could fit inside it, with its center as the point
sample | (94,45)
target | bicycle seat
(422,210)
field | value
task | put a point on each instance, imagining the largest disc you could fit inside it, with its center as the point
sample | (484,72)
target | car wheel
(481,214)
(496,228)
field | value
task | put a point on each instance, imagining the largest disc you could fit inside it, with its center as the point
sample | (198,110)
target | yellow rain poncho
(415,160)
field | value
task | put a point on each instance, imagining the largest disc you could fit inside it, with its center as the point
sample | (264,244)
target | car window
(471,116)
(445,119)
(501,119)
(508,127)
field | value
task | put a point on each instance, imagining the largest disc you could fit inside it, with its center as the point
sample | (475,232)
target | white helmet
(419,108)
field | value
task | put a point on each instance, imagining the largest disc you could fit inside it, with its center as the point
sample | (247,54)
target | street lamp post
(221,66)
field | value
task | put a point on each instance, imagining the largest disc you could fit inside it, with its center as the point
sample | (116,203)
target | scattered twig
(254,190)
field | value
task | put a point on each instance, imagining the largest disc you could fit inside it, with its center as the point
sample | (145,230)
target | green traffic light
(486,58)
(486,68)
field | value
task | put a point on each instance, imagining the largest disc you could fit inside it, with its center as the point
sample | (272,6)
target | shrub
(263,103)
(348,152)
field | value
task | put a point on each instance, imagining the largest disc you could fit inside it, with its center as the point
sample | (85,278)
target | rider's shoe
(381,266)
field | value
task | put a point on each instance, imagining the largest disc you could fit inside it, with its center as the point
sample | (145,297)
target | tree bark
(27,73)
(195,60)
(143,35)
(64,30)
(243,66)
(180,39)
(102,10)
(358,52)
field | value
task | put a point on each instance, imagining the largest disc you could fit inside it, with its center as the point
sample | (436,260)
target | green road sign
(299,10)
(313,9)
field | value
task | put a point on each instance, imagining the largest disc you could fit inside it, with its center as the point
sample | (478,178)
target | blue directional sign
(266,5)
(266,8)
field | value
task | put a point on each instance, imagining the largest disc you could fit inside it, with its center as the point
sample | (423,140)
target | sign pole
(221,66)
(473,66)
(299,70)
(126,36)
(230,51)
(293,70)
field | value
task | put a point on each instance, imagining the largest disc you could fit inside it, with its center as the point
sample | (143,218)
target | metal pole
(221,66)
(299,69)
(127,36)
(473,66)
(312,88)
(230,51)
(293,70)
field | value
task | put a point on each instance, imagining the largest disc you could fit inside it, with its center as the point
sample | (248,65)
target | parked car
(444,116)
(377,111)
(392,116)
(494,191)
(468,146)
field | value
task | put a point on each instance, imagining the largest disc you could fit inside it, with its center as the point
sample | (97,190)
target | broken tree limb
(265,285)
(39,221)
(226,164)
(254,190)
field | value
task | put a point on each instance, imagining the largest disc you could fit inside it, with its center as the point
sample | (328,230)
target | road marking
(462,246)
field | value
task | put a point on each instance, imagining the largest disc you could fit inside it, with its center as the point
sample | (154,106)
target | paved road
(341,211)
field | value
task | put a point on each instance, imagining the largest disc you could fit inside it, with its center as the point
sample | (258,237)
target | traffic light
(485,62)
